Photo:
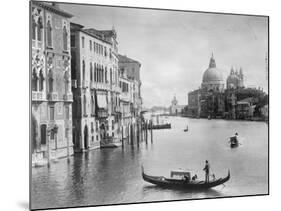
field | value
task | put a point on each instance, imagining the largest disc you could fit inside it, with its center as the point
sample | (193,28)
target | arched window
(49,34)
(95,72)
(91,72)
(65,38)
(98,73)
(33,29)
(41,81)
(67,81)
(105,74)
(110,76)
(92,105)
(85,105)
(34,80)
(102,76)
(83,70)
(51,82)
(39,29)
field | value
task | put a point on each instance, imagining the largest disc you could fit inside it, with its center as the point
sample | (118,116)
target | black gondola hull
(182,184)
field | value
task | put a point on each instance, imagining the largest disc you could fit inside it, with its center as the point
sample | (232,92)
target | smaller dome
(232,78)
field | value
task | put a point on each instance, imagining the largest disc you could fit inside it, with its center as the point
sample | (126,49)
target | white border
(15,104)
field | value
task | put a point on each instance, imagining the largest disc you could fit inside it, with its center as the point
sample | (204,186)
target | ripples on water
(110,176)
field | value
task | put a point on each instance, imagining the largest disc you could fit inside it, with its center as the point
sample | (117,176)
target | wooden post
(146,131)
(132,134)
(68,137)
(138,137)
(151,133)
(48,148)
(122,138)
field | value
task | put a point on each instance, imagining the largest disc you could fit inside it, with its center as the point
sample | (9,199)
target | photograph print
(135,105)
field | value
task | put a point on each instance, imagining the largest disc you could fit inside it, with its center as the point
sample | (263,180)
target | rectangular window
(83,42)
(92,127)
(72,40)
(66,112)
(52,113)
(97,137)
(52,137)
(90,45)
(66,132)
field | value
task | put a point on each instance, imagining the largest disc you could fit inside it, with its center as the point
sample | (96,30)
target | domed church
(213,78)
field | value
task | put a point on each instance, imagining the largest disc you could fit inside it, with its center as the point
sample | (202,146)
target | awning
(102,100)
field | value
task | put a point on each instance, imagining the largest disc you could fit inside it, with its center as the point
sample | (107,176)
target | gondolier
(207,171)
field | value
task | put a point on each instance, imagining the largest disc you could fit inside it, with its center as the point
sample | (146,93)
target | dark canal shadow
(210,192)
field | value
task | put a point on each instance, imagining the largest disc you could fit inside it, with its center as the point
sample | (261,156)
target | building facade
(175,108)
(95,84)
(130,97)
(50,83)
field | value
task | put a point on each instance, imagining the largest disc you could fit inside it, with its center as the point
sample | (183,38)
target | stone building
(95,85)
(52,98)
(175,108)
(194,108)
(130,97)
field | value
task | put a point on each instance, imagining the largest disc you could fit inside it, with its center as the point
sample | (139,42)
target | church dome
(212,75)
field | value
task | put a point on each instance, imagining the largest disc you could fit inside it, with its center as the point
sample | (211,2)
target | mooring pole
(122,138)
(151,133)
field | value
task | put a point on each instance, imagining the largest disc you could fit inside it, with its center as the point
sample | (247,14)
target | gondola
(181,183)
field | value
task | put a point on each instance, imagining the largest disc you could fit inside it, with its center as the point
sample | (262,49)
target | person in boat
(234,140)
(194,177)
(186,178)
(207,170)
(214,176)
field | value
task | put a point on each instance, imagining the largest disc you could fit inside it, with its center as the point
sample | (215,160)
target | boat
(186,129)
(234,142)
(183,183)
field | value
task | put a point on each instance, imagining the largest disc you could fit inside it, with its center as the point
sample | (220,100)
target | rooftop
(53,7)
(125,59)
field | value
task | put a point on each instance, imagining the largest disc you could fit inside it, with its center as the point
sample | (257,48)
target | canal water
(112,176)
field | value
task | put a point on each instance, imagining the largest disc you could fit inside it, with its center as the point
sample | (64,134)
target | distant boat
(186,129)
(234,142)
(186,183)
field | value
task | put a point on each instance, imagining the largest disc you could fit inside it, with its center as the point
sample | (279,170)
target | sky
(174,48)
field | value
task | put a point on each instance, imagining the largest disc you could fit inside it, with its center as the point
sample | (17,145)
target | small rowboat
(234,142)
(181,183)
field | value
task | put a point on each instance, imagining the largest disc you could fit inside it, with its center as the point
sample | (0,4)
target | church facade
(213,99)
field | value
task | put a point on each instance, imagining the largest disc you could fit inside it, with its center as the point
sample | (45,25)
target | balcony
(85,84)
(102,113)
(116,89)
(38,96)
(68,97)
(53,96)
(99,86)
(74,83)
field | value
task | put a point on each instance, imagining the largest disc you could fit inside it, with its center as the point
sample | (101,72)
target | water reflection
(109,176)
